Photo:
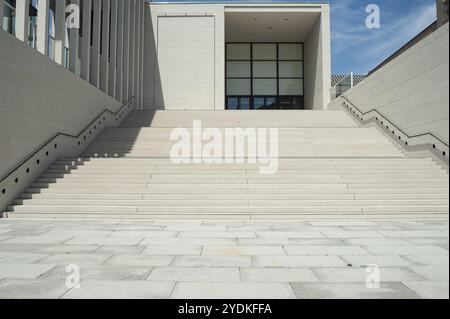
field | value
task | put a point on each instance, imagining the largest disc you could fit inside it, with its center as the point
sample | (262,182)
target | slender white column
(126,51)
(113,50)
(42,26)
(104,57)
(2,5)
(60,31)
(86,40)
(137,51)
(22,18)
(132,38)
(142,53)
(96,39)
(119,66)
(74,42)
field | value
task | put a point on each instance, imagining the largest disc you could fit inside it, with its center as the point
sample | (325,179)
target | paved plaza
(215,259)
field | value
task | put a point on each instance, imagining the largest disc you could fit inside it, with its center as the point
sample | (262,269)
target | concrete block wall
(412,90)
(39,98)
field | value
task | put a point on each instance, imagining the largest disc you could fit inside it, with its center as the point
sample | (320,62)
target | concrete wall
(184,57)
(178,74)
(318,64)
(412,90)
(39,98)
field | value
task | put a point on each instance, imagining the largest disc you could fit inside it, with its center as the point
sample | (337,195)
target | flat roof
(271,3)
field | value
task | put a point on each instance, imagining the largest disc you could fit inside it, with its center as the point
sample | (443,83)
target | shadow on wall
(153,94)
(111,143)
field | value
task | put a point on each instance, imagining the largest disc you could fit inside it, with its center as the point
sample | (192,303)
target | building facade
(236,56)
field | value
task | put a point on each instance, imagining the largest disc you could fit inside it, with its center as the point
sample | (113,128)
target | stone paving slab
(224,259)
(347,275)
(212,261)
(199,274)
(407,250)
(278,275)
(243,251)
(298,261)
(396,290)
(23,271)
(20,258)
(32,289)
(93,289)
(381,261)
(429,290)
(233,291)
(325,250)
(173,250)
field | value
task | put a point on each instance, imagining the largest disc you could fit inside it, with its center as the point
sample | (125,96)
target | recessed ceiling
(269,26)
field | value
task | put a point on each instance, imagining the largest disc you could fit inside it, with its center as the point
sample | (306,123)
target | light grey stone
(430,260)
(78,233)
(316,242)
(352,291)
(343,223)
(67,249)
(345,234)
(20,258)
(106,241)
(120,250)
(325,250)
(381,261)
(233,291)
(429,290)
(406,250)
(387,274)
(143,234)
(24,271)
(224,234)
(75,259)
(139,261)
(188,241)
(376,242)
(199,274)
(243,251)
(433,273)
(290,234)
(415,234)
(212,261)
(298,261)
(263,241)
(32,289)
(278,275)
(196,228)
(101,273)
(35,240)
(94,289)
(173,250)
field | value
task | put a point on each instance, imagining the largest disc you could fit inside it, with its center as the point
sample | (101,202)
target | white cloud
(368,47)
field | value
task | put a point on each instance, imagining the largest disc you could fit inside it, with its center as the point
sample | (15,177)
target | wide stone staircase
(328,167)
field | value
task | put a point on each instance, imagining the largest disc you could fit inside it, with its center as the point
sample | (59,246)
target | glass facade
(9,16)
(264,76)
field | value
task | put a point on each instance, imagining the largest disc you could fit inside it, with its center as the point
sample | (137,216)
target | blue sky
(358,49)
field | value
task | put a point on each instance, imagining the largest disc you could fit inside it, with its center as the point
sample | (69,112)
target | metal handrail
(410,137)
(49,141)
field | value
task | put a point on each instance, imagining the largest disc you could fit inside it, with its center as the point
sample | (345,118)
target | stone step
(229,209)
(236,196)
(231,203)
(223,186)
(75,174)
(258,191)
(228,216)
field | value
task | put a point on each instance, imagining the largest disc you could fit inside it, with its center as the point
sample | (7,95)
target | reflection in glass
(245,103)
(233,103)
